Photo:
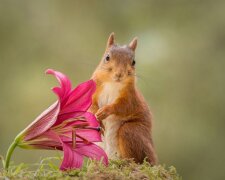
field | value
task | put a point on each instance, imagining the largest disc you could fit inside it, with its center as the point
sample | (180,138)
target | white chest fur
(109,94)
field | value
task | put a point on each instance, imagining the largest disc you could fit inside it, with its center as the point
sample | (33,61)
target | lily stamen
(65,122)
(66,129)
(93,128)
(73,138)
(85,140)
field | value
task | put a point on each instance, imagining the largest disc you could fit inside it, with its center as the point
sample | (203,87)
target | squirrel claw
(102,113)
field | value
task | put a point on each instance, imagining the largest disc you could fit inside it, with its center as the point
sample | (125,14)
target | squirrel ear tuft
(133,44)
(111,40)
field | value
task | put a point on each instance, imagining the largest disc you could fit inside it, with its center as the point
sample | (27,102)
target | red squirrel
(120,107)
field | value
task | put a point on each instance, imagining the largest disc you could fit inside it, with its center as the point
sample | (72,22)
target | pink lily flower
(65,125)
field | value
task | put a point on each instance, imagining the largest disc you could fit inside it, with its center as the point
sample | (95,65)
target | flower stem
(9,154)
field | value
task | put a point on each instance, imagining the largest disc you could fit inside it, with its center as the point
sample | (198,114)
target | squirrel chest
(110,92)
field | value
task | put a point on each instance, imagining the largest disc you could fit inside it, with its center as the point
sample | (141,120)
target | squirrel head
(118,62)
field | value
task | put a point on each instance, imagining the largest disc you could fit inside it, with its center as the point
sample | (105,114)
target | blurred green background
(180,62)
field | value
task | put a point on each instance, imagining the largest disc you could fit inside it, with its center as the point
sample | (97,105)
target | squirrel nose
(118,75)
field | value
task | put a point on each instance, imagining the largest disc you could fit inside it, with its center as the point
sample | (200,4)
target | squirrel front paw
(103,113)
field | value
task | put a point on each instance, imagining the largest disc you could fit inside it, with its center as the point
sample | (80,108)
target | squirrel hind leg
(134,144)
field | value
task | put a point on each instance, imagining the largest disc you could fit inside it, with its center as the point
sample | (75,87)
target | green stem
(9,154)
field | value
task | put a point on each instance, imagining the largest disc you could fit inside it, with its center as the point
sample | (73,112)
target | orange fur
(133,137)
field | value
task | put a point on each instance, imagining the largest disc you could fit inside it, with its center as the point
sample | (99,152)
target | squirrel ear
(111,40)
(133,44)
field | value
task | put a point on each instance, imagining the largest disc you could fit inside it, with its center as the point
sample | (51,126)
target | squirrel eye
(133,62)
(107,58)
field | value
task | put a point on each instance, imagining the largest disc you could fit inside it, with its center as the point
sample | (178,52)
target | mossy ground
(117,169)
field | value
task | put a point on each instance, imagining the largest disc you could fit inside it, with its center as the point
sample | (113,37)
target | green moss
(117,169)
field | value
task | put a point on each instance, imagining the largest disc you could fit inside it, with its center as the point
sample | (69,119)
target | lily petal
(90,135)
(94,152)
(71,159)
(47,140)
(43,122)
(80,98)
(65,84)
